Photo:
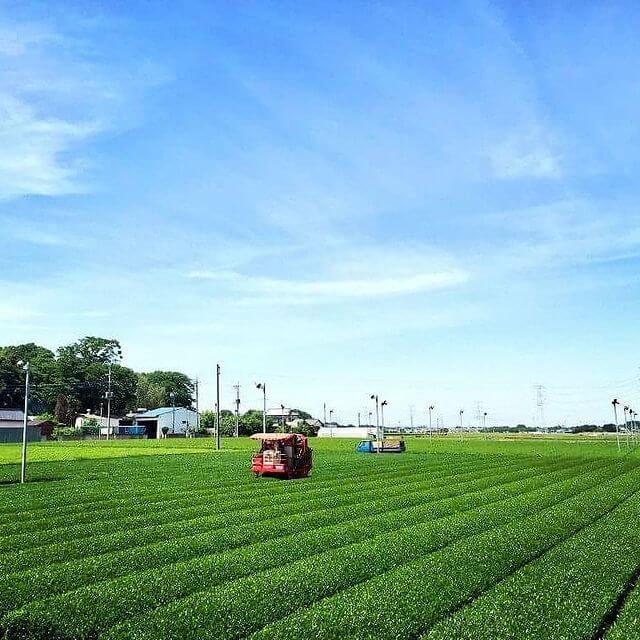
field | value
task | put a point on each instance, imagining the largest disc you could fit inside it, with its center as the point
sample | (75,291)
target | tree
(149,394)
(93,349)
(79,372)
(227,423)
(61,411)
(251,422)
(172,381)
(83,372)
(12,376)
(208,420)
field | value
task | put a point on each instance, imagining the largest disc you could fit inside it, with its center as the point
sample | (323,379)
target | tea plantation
(473,539)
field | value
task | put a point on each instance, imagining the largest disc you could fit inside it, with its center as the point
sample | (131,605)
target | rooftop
(155,413)
(12,414)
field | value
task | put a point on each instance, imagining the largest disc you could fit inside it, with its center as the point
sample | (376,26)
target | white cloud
(31,146)
(525,155)
(322,289)
(54,98)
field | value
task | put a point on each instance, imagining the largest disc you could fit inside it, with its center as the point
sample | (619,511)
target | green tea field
(473,539)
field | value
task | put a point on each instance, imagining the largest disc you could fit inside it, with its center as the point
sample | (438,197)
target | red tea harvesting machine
(282,455)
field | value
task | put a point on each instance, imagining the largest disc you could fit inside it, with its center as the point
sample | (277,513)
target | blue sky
(438,204)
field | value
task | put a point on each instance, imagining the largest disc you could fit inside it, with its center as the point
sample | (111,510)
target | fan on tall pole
(615,404)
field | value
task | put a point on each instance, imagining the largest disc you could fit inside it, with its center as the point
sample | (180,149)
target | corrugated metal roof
(154,413)
(11,414)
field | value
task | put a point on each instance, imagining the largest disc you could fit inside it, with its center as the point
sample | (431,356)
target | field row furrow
(240,607)
(148,587)
(39,556)
(250,496)
(90,496)
(419,594)
(195,472)
(562,595)
(141,483)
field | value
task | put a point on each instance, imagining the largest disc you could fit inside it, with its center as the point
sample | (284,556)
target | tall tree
(43,376)
(149,394)
(61,412)
(172,382)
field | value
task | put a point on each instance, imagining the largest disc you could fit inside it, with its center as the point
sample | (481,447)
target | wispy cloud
(32,146)
(415,283)
(525,155)
(56,94)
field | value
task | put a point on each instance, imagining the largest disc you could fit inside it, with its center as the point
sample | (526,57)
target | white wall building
(332,430)
(177,420)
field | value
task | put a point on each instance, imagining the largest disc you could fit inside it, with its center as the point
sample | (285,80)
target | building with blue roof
(178,421)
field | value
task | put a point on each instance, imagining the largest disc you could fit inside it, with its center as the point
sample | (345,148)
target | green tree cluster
(249,423)
(74,380)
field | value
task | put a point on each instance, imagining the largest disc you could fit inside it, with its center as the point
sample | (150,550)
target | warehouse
(175,420)
(11,425)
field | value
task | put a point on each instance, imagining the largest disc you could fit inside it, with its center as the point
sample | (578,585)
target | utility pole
(324,408)
(540,406)
(411,416)
(331,423)
(626,423)
(25,424)
(109,395)
(172,395)
(358,419)
(375,397)
(218,445)
(197,408)
(284,427)
(263,386)
(461,427)
(383,404)
(237,388)
(615,403)
(430,429)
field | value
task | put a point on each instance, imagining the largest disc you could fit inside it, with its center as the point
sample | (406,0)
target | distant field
(473,538)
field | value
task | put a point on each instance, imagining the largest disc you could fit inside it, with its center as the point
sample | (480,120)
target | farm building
(333,430)
(11,424)
(90,419)
(177,420)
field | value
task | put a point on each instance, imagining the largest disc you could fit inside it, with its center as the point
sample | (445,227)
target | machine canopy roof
(283,437)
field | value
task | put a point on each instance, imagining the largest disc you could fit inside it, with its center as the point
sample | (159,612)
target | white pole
(197,407)
(615,416)
(218,441)
(430,423)
(25,424)
(109,404)
(377,423)
(264,408)
(237,388)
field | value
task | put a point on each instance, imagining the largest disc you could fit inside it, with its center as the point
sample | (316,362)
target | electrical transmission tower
(479,414)
(541,397)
